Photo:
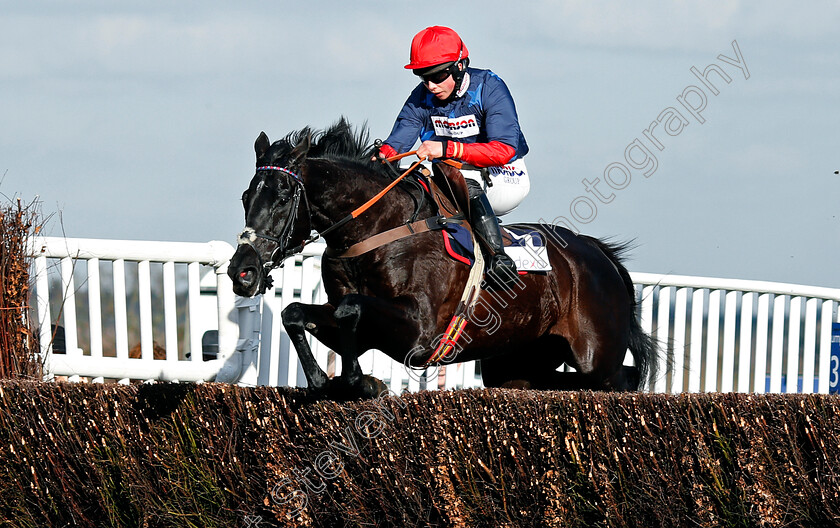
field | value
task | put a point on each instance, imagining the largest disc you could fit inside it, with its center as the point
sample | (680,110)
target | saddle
(523,243)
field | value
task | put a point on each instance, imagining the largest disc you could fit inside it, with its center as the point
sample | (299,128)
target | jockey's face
(442,89)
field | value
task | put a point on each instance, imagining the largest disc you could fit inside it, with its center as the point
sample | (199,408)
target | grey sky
(137,119)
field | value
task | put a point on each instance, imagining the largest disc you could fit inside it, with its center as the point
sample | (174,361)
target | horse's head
(276,213)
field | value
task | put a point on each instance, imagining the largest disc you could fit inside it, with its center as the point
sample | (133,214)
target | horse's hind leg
(597,359)
(533,366)
(598,327)
(625,379)
(600,357)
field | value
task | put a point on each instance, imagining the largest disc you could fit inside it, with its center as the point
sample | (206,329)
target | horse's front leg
(366,323)
(319,320)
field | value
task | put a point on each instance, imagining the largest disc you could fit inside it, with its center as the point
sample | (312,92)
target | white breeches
(509,185)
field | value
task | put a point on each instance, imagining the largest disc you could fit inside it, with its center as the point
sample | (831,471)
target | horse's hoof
(373,387)
(366,388)
(517,384)
(324,392)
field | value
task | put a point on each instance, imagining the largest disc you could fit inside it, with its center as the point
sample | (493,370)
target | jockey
(466,114)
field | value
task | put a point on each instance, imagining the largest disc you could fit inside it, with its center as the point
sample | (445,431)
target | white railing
(739,335)
(715,334)
(75,265)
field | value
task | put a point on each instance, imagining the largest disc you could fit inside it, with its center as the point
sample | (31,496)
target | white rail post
(646,321)
(232,361)
(68,307)
(193,302)
(268,360)
(42,284)
(727,368)
(94,307)
(662,332)
(777,344)
(695,359)
(272,320)
(120,310)
(680,319)
(170,312)
(794,329)
(713,340)
(144,285)
(762,350)
(809,358)
(746,343)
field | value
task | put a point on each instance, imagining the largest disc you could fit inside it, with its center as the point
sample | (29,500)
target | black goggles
(436,78)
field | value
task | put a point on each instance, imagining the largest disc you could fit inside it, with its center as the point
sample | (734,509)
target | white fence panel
(71,267)
(774,336)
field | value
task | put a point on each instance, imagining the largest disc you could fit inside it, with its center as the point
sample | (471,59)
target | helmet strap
(459,75)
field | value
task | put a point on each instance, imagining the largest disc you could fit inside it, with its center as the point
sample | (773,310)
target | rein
(281,252)
(367,205)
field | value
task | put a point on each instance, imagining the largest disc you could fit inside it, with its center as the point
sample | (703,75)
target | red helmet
(436,45)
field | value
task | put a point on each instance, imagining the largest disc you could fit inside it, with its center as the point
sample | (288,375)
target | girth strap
(392,235)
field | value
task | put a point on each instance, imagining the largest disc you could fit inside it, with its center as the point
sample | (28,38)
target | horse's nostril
(248,277)
(245,277)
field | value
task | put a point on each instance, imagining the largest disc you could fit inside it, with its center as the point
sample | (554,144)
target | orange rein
(364,207)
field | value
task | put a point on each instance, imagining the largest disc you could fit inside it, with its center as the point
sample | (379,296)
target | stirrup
(501,271)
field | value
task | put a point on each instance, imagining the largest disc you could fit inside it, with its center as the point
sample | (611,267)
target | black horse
(401,297)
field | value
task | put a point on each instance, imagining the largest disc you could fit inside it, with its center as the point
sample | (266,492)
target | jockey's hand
(430,150)
(385,152)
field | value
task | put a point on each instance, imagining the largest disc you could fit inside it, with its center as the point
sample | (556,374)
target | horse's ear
(261,145)
(300,151)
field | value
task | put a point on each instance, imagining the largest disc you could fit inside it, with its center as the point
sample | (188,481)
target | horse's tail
(642,346)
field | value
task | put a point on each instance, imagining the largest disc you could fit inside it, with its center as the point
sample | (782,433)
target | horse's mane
(339,142)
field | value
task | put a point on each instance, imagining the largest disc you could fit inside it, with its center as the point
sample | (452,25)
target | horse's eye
(245,202)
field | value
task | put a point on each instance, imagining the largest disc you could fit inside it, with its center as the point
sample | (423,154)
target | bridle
(281,251)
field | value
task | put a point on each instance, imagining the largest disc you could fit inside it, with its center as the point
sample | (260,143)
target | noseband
(281,250)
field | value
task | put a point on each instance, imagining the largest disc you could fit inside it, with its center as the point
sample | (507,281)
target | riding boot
(501,270)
